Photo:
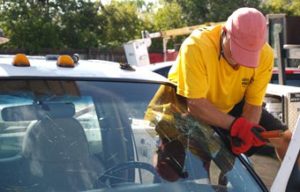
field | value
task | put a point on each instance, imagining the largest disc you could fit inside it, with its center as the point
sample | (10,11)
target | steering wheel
(110,173)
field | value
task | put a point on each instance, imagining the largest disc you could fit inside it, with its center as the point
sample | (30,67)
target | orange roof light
(65,61)
(21,60)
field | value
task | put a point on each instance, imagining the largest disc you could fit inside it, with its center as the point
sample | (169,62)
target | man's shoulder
(204,38)
(267,48)
(267,53)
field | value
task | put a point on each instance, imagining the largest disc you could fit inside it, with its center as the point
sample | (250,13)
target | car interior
(90,136)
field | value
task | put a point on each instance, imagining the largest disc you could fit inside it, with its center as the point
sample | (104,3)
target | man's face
(227,52)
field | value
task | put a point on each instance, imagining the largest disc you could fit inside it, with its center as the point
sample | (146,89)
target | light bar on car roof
(21,60)
(65,61)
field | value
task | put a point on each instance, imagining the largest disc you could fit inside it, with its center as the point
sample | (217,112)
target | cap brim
(244,57)
(3,40)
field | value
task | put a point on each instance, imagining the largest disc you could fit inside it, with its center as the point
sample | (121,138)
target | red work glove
(244,135)
(170,160)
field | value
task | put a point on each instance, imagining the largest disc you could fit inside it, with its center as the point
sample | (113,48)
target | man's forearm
(205,111)
(252,112)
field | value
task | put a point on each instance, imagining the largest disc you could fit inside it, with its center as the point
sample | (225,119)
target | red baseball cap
(246,28)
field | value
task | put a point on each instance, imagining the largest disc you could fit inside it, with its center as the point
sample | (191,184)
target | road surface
(266,167)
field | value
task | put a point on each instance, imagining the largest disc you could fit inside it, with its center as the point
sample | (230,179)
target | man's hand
(170,160)
(244,135)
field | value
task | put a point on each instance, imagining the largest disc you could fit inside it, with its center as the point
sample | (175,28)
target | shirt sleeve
(189,72)
(256,91)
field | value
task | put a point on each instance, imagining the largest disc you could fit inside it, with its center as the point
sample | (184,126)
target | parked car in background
(160,68)
(81,126)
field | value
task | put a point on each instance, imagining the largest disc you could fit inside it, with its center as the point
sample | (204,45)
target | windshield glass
(109,136)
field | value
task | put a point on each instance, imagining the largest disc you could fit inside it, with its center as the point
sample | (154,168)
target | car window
(65,135)
(163,71)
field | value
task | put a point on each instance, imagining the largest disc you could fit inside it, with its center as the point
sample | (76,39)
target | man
(223,73)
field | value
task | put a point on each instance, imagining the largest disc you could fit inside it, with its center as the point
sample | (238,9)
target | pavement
(266,166)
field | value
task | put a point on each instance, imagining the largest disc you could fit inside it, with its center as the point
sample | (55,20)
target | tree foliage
(79,23)
(28,25)
(200,11)
(288,7)
(169,16)
(34,25)
(121,23)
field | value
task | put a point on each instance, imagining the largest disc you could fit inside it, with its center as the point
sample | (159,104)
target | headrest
(38,111)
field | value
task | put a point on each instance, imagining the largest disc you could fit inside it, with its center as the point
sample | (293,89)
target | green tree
(34,25)
(200,11)
(80,23)
(288,7)
(29,25)
(219,10)
(121,23)
(169,16)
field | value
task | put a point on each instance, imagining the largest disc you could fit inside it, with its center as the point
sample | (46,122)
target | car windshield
(64,135)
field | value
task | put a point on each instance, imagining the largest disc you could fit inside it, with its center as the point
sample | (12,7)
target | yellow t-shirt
(200,72)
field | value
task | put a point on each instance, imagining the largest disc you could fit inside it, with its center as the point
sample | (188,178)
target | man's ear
(224,30)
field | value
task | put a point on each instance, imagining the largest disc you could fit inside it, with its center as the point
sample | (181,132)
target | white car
(81,126)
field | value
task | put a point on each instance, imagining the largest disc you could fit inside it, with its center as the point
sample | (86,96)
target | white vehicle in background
(79,126)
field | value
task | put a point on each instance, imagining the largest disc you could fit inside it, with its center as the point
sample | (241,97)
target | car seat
(57,151)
